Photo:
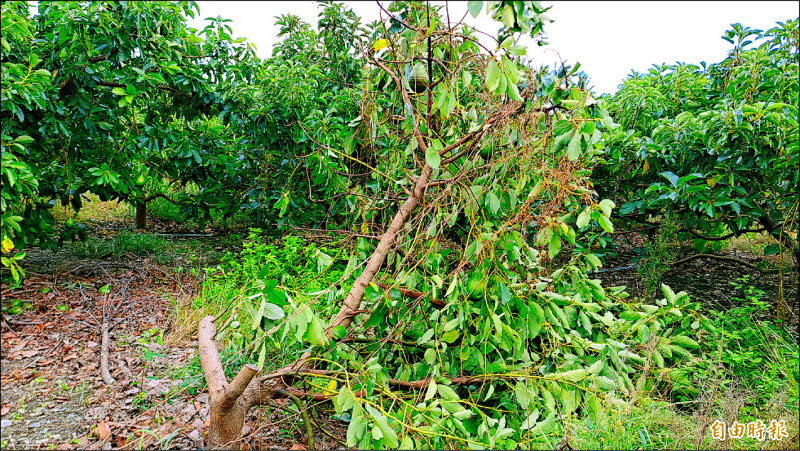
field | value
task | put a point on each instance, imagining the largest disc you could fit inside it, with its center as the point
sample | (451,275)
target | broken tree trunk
(228,406)
(230,402)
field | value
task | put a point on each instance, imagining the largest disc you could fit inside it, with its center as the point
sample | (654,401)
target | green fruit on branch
(69,223)
(140,180)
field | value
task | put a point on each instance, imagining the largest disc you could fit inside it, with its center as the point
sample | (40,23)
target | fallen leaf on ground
(297,446)
(70,357)
(4,411)
(103,430)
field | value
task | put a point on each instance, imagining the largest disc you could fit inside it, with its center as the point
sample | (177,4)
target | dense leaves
(715,147)
(107,92)
(472,332)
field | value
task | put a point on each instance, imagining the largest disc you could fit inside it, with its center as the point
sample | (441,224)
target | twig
(303,413)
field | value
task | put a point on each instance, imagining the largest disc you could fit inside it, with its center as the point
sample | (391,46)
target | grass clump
(140,244)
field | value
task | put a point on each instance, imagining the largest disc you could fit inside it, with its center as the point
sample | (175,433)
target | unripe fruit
(140,180)
(69,223)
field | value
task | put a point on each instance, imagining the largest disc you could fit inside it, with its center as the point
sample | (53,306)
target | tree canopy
(715,147)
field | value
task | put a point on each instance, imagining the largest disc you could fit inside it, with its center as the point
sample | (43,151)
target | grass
(141,244)
(95,210)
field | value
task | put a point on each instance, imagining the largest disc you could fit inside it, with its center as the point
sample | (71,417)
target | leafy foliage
(715,147)
(101,94)
(499,340)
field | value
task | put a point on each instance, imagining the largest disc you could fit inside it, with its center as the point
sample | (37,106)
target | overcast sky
(609,39)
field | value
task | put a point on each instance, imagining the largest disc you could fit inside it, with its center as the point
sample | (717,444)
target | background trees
(126,88)
(713,147)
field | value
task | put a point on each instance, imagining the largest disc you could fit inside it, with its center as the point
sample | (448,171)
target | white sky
(609,39)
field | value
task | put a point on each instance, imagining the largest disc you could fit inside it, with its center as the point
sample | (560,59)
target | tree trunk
(228,406)
(141,215)
(230,402)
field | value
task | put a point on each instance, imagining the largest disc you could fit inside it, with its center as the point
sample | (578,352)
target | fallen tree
(472,138)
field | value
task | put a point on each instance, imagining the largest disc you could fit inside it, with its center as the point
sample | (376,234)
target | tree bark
(141,215)
(228,406)
(104,355)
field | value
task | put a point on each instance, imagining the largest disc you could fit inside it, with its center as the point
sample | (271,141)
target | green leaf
(684,341)
(475,7)
(380,420)
(450,336)
(450,325)
(507,16)
(262,357)
(605,223)
(119,91)
(583,219)
(535,320)
(431,390)
(447,392)
(494,202)
(355,426)
(23,139)
(273,312)
(668,293)
(315,334)
(574,148)
(671,177)
(570,376)
(594,260)
(518,50)
(555,245)
(513,92)
(426,337)
(530,422)
(492,75)
(510,68)
(627,208)
(521,392)
(606,205)
(432,157)
(339,332)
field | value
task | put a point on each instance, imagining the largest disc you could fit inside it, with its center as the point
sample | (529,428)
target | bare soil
(53,396)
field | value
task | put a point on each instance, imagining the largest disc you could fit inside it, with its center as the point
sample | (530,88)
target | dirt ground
(711,281)
(53,395)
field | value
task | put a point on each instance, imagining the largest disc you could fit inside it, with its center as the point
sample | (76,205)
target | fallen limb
(413,294)
(104,356)
(723,258)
